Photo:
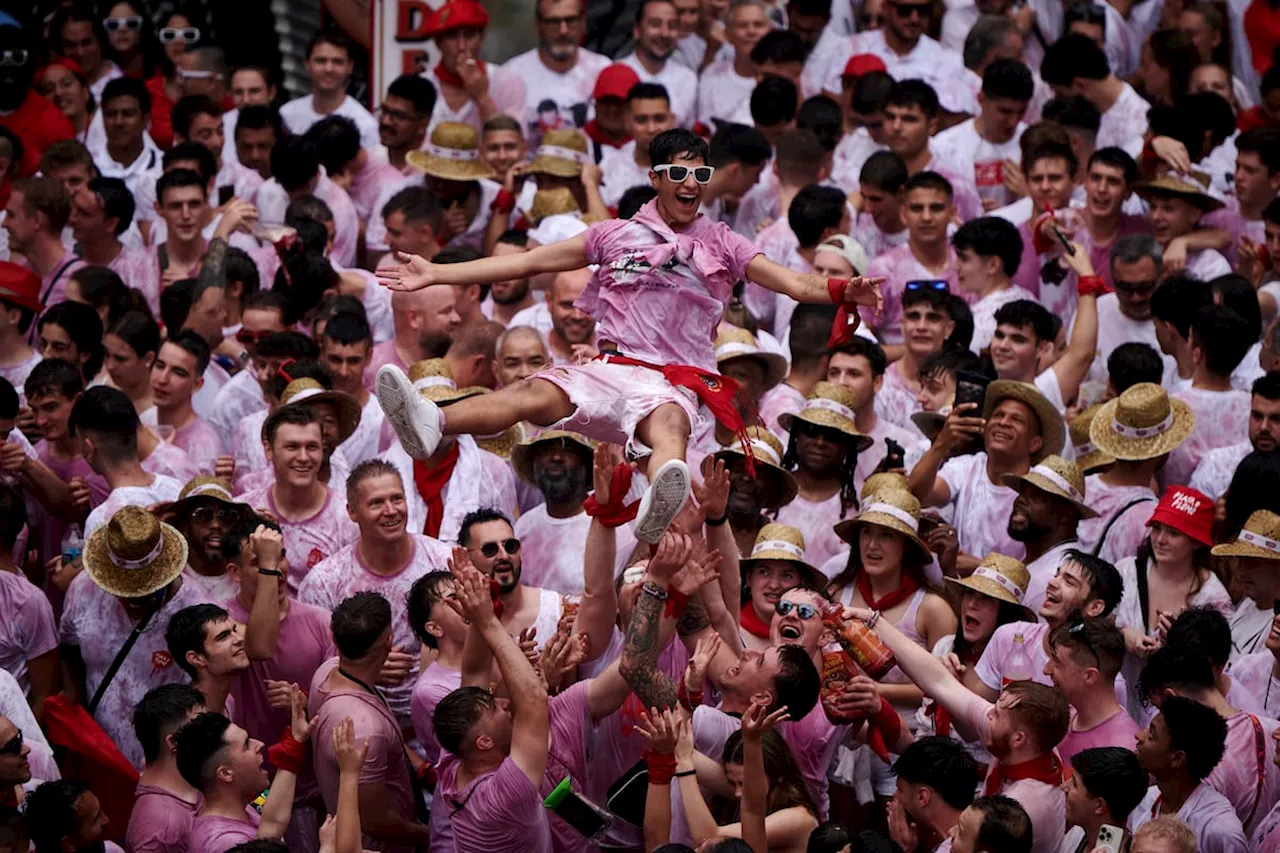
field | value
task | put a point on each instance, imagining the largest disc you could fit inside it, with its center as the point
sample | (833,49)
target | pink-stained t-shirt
(570,719)
(552,549)
(498,810)
(247,451)
(912,441)
(53,286)
(895,401)
(1129,529)
(161,490)
(1247,774)
(1117,730)
(383,353)
(982,507)
(272,201)
(96,622)
(201,442)
(169,460)
(781,398)
(1254,673)
(18,372)
(1209,814)
(1222,419)
(139,269)
(240,397)
(386,763)
(659,295)
(1267,837)
(816,521)
(345,573)
(875,241)
(367,184)
(27,630)
(899,266)
(1046,805)
(49,528)
(159,823)
(308,541)
(506,88)
(1100,251)
(433,684)
(990,668)
(216,834)
(213,589)
(813,741)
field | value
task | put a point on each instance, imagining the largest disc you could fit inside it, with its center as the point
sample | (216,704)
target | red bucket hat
(458,15)
(20,286)
(1187,511)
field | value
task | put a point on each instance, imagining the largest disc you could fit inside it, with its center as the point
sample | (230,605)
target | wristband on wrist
(1092,285)
(651,588)
(275,573)
(716,522)
(661,766)
(288,753)
(682,773)
(677,601)
(503,202)
(688,700)
(835,289)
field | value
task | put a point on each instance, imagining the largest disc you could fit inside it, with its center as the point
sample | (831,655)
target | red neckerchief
(752,623)
(431,483)
(9,797)
(1263,28)
(904,591)
(941,716)
(1046,769)
(450,78)
(593,132)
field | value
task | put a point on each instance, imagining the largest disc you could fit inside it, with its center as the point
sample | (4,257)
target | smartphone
(895,456)
(1110,838)
(1062,238)
(225,194)
(970,388)
(589,820)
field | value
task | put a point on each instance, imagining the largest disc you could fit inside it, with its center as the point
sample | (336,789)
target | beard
(435,344)
(1027,532)
(518,291)
(562,486)
(507,567)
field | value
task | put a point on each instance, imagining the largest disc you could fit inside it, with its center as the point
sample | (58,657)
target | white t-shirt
(552,549)
(1114,329)
(299,114)
(724,95)
(984,314)
(681,85)
(162,489)
(1124,124)
(619,172)
(554,100)
(981,507)
(964,151)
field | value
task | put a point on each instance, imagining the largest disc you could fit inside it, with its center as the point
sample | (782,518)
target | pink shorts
(612,399)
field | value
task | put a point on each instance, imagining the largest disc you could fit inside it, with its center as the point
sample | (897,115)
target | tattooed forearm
(639,664)
(213,268)
(695,618)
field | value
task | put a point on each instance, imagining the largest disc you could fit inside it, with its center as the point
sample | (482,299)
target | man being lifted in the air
(663,281)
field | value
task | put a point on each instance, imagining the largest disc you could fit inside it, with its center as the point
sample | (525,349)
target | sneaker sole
(394,391)
(662,502)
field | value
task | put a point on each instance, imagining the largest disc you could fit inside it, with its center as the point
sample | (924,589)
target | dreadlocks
(848,466)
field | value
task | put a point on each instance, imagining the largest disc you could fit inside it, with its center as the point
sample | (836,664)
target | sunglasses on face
(804,611)
(677,174)
(14,57)
(510,546)
(14,746)
(1136,286)
(187,35)
(811,430)
(249,338)
(936,285)
(132,23)
(206,514)
(906,10)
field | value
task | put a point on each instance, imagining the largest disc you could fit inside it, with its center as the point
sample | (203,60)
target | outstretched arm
(416,272)
(806,287)
(639,663)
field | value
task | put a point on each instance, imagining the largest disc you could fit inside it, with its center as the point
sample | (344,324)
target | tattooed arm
(639,664)
(237,213)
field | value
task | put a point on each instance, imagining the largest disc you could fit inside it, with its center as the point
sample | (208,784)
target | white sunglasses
(133,23)
(677,173)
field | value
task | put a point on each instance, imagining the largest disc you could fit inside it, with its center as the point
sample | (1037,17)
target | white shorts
(612,399)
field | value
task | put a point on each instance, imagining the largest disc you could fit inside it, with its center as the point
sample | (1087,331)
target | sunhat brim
(1237,548)
(1094,461)
(848,531)
(1156,189)
(813,577)
(929,423)
(991,589)
(449,170)
(349,411)
(522,455)
(1053,432)
(554,166)
(504,443)
(1118,446)
(134,583)
(831,420)
(775,366)
(1031,478)
(779,479)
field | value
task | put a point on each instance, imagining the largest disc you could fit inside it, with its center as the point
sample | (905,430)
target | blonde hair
(1170,830)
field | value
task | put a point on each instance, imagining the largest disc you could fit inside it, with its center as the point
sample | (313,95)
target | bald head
(520,353)
(570,324)
(426,319)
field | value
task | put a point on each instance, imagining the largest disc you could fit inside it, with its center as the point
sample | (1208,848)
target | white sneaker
(662,501)
(416,421)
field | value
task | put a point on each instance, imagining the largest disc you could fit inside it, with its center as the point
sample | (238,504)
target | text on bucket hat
(1187,511)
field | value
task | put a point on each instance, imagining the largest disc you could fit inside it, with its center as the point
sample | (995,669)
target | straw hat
(1193,187)
(502,444)
(134,554)
(205,488)
(1088,457)
(1058,477)
(522,455)
(1052,430)
(733,342)
(1142,423)
(452,154)
(562,154)
(434,381)
(829,405)
(786,543)
(551,203)
(768,454)
(929,423)
(1260,538)
(1000,577)
(306,391)
(894,510)
(883,481)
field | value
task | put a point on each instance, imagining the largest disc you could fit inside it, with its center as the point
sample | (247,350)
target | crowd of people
(884,395)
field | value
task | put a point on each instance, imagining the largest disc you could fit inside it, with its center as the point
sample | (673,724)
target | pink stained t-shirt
(383,353)
(659,295)
(900,266)
(982,507)
(50,528)
(308,541)
(433,684)
(498,810)
(159,823)
(1247,775)
(27,630)
(1222,419)
(169,460)
(216,834)
(816,522)
(1117,730)
(201,442)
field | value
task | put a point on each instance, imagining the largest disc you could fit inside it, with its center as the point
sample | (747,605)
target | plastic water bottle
(72,544)
(1018,666)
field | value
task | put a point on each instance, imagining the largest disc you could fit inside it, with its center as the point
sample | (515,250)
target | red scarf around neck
(450,78)
(904,591)
(752,623)
(1046,769)
(431,483)
(594,133)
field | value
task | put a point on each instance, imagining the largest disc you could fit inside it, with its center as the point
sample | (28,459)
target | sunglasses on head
(937,285)
(677,174)
(133,23)
(510,546)
(14,746)
(803,610)
(187,35)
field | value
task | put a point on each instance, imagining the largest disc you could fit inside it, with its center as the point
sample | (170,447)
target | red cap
(20,286)
(456,15)
(1187,511)
(615,81)
(69,64)
(863,63)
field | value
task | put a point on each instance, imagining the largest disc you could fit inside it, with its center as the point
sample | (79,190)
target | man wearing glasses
(558,71)
(1135,264)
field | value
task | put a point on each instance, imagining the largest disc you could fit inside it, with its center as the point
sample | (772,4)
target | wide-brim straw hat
(134,554)
(929,423)
(434,381)
(504,443)
(883,481)
(1142,423)
(204,488)
(307,391)
(786,543)
(767,451)
(1192,186)
(1058,477)
(562,153)
(522,455)
(1000,577)
(1053,432)
(733,342)
(1088,457)
(1259,538)
(451,154)
(829,405)
(558,201)
(894,510)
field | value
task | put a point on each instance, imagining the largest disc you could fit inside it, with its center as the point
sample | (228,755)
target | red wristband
(677,601)
(835,289)
(688,700)
(1092,285)
(615,513)
(287,753)
(503,202)
(661,767)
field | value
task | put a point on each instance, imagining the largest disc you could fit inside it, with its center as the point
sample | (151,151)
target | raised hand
(698,571)
(662,729)
(460,561)
(607,458)
(298,724)
(756,721)
(962,426)
(865,290)
(412,273)
(397,667)
(279,694)
(673,552)
(703,654)
(471,598)
(268,545)
(350,754)
(561,655)
(712,494)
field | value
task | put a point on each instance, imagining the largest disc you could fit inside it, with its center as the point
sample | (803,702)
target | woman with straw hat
(753,498)
(664,279)
(1256,554)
